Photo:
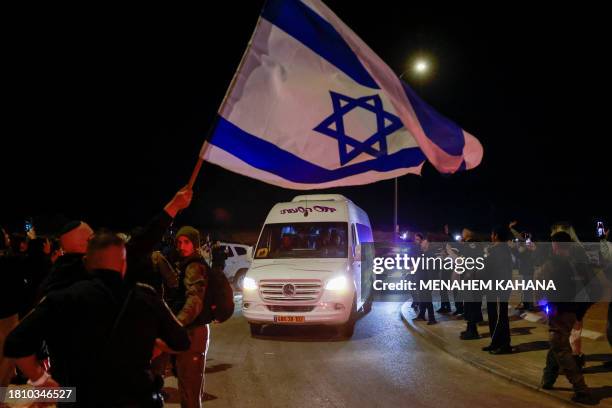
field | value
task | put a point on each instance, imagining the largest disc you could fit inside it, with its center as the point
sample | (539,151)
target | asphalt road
(383,365)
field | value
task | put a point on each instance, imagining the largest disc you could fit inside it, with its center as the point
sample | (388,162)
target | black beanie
(68,227)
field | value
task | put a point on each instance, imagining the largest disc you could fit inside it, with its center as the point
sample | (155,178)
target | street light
(421,67)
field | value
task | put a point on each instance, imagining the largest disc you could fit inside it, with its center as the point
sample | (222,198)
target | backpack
(219,299)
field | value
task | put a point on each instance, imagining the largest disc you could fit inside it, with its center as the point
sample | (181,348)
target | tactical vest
(179,297)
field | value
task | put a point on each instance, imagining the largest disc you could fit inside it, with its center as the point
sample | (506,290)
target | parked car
(237,262)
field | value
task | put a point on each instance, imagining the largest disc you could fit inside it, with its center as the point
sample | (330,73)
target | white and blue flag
(312,106)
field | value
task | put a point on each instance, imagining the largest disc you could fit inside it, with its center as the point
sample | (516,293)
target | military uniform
(563,316)
(188,305)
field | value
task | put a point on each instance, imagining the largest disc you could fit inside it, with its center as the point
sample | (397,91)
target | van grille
(290,291)
(290,308)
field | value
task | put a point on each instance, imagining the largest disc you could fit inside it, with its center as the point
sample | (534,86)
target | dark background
(106,110)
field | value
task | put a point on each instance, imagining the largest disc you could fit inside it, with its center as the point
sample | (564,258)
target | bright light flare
(337,284)
(249,284)
(421,67)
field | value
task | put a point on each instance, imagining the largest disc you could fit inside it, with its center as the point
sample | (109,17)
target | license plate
(289,319)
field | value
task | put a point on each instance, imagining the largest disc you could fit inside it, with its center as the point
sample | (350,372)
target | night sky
(107,110)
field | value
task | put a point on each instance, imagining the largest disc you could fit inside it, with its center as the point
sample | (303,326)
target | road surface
(383,365)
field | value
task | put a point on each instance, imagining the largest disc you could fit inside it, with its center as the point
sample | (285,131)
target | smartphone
(27,226)
(528,239)
(600,229)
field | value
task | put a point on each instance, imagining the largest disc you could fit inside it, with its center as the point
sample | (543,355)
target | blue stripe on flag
(306,26)
(266,156)
(441,131)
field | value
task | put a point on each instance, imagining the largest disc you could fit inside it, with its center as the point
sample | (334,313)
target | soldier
(562,318)
(189,306)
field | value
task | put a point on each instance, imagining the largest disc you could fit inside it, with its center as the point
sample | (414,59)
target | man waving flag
(312,106)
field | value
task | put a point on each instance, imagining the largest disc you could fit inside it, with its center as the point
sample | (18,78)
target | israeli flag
(312,106)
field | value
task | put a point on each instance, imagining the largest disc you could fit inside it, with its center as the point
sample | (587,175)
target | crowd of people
(564,260)
(112,313)
(109,313)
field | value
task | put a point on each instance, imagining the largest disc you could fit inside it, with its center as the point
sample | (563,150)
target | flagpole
(195,172)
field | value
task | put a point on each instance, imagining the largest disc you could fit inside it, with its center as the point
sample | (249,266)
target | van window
(303,240)
(365,233)
(240,251)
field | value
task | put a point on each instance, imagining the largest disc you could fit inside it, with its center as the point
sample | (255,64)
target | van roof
(320,197)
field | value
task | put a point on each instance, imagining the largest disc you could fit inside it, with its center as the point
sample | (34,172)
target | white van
(306,266)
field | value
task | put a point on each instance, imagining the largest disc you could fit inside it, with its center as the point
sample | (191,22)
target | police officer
(189,306)
(100,333)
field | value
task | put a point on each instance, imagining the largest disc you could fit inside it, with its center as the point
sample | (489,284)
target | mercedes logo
(288,290)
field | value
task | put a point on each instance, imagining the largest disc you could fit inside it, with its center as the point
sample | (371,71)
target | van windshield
(303,240)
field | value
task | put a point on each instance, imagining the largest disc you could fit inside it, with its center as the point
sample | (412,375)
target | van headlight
(339,284)
(249,284)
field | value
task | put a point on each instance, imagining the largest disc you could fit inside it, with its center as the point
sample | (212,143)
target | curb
(472,358)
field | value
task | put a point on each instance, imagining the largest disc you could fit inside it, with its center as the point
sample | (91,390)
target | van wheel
(347,329)
(255,329)
(239,279)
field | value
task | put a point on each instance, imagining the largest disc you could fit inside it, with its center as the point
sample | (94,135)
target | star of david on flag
(312,106)
(349,147)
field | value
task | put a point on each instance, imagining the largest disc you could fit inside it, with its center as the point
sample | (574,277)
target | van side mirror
(358,252)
